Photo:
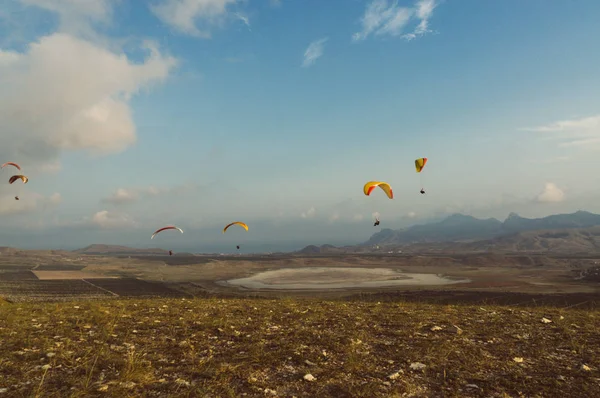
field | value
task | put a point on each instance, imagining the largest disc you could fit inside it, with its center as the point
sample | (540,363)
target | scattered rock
(182,382)
(546,320)
(417,366)
(102,388)
(269,391)
(586,368)
(456,329)
(435,328)
(309,363)
(475,386)
(309,377)
(518,359)
(395,375)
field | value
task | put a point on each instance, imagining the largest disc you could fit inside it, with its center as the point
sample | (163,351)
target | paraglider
(164,229)
(17,198)
(17,177)
(11,164)
(170,252)
(371,185)
(419,166)
(241,224)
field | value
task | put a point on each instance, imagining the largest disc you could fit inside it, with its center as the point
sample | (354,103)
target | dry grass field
(296,347)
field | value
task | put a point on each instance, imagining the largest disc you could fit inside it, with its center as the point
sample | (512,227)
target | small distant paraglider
(419,166)
(387,188)
(16,177)
(241,224)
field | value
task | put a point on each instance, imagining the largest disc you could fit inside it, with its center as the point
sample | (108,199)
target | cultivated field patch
(49,290)
(23,275)
(53,275)
(130,287)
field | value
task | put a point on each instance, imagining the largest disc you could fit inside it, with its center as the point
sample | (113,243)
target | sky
(128,116)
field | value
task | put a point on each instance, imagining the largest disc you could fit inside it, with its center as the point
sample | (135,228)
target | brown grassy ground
(253,347)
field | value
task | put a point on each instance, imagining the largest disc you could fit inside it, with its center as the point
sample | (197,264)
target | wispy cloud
(384,18)
(244,19)
(124,196)
(193,17)
(582,132)
(314,52)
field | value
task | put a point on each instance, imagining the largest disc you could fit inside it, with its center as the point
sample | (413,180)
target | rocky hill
(323,249)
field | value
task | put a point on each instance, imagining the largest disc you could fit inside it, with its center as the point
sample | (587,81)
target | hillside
(303,348)
(462,228)
(99,249)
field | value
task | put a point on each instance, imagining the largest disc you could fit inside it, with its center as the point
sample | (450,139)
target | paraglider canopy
(18,177)
(371,185)
(420,164)
(11,164)
(241,224)
(164,229)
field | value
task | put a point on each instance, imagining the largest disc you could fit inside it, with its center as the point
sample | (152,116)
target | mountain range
(577,232)
(462,228)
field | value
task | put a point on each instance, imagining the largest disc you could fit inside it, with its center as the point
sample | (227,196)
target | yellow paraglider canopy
(241,224)
(371,185)
(420,164)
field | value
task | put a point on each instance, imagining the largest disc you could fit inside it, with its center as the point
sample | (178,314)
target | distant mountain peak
(512,215)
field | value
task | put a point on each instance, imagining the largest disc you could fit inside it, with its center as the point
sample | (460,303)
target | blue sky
(128,117)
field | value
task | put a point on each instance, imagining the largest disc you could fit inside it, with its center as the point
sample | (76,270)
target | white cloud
(122,196)
(313,52)
(358,217)
(129,195)
(275,3)
(65,93)
(551,194)
(582,132)
(187,15)
(382,18)
(411,214)
(111,220)
(334,217)
(310,213)
(376,215)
